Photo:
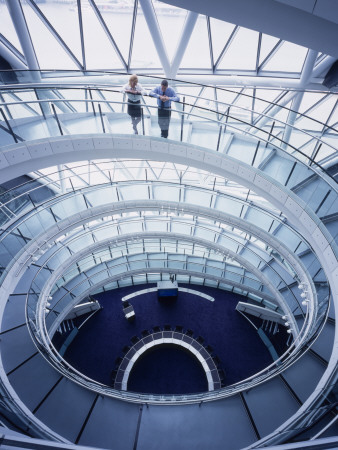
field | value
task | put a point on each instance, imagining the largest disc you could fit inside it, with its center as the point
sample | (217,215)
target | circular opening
(104,342)
(167,369)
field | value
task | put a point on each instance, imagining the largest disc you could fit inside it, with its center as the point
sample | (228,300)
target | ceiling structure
(87,35)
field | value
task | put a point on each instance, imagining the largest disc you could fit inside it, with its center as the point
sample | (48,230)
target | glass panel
(144,53)
(49,52)
(281,60)
(134,227)
(242,52)
(139,279)
(197,53)
(79,244)
(198,197)
(112,285)
(78,290)
(156,226)
(99,277)
(258,218)
(309,100)
(286,235)
(166,193)
(69,206)
(118,17)
(233,277)
(170,18)
(100,54)
(184,228)
(323,110)
(176,264)
(22,110)
(220,33)
(130,192)
(125,282)
(205,234)
(63,16)
(211,283)
(41,278)
(267,44)
(134,265)
(118,269)
(106,195)
(270,95)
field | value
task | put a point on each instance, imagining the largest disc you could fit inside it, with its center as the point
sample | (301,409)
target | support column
(304,79)
(21,28)
(151,19)
(11,57)
(20,24)
(184,41)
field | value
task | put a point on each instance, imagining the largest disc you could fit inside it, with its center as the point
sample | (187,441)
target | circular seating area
(167,336)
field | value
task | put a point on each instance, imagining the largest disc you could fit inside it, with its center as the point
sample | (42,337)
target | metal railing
(263,128)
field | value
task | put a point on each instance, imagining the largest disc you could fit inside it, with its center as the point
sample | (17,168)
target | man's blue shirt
(169,92)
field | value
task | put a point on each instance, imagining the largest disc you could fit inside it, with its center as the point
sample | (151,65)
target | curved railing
(261,129)
(289,358)
(19,200)
(270,371)
(267,129)
(56,200)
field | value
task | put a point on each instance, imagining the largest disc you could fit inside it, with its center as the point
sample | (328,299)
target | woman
(133,91)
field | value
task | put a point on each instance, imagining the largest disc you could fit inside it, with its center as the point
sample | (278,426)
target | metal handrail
(259,377)
(45,181)
(267,141)
(86,73)
(55,199)
(279,365)
(189,397)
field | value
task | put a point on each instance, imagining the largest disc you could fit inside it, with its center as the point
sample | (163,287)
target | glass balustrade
(61,206)
(266,154)
(271,124)
(293,148)
(34,299)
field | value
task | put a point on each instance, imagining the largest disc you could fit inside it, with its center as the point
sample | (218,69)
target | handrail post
(57,119)
(313,160)
(219,138)
(91,97)
(182,119)
(270,134)
(226,117)
(101,116)
(9,126)
(142,118)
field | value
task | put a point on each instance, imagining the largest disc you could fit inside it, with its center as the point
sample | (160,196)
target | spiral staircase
(221,203)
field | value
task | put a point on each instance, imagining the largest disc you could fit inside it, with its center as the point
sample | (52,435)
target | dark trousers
(134,110)
(164,121)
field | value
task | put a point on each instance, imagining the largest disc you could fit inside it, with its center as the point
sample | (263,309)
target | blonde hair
(133,78)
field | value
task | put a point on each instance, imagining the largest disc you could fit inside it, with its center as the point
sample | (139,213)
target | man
(165,95)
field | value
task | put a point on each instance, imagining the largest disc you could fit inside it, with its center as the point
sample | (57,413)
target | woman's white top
(137,88)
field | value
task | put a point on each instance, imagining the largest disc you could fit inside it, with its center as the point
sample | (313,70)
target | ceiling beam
(270,17)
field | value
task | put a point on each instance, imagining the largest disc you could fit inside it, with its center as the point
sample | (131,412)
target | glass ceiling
(153,38)
(121,35)
(150,37)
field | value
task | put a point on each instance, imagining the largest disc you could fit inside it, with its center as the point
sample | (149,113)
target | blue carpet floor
(168,370)
(235,342)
